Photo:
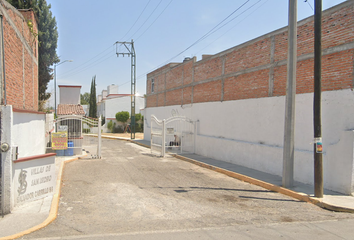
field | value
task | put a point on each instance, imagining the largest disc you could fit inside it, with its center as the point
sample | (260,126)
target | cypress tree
(94,100)
(93,104)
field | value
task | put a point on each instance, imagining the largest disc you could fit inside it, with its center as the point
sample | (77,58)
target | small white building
(69,94)
(111,102)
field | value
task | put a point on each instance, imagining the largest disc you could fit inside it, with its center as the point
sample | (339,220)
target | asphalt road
(132,194)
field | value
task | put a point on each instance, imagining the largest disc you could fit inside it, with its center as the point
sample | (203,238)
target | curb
(53,213)
(275,188)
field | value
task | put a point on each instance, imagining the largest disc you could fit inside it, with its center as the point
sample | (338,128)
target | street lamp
(55,84)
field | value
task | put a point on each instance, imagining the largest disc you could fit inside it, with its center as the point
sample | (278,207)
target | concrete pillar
(7,201)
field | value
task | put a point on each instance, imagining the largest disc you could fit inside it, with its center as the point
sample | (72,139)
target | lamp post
(55,84)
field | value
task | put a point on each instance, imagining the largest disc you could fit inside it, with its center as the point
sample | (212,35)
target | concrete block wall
(257,68)
(21,57)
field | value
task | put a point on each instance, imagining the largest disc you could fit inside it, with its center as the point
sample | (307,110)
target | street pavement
(133,194)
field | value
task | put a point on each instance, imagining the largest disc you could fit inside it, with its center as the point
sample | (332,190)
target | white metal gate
(83,134)
(175,134)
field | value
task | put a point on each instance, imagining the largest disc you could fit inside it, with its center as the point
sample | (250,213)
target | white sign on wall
(34,179)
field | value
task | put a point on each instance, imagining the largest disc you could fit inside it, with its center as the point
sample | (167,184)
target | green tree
(85,98)
(122,116)
(48,42)
(92,102)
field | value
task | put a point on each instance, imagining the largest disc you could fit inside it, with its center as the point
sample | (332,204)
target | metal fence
(82,133)
(175,134)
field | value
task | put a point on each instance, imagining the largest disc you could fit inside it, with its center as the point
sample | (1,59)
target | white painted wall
(114,105)
(112,89)
(28,133)
(40,177)
(250,133)
(69,95)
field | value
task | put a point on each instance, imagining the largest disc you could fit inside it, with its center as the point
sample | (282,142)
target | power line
(309,4)
(154,20)
(210,31)
(136,20)
(200,39)
(82,66)
(96,62)
(235,24)
(146,20)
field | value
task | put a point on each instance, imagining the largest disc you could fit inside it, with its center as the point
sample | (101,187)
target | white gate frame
(160,132)
(90,122)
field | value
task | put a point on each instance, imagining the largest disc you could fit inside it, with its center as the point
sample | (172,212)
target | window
(152,85)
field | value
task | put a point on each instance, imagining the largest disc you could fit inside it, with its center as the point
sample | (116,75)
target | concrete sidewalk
(38,214)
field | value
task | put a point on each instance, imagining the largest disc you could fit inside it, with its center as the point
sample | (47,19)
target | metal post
(99,137)
(194,134)
(163,150)
(133,90)
(131,52)
(318,175)
(288,151)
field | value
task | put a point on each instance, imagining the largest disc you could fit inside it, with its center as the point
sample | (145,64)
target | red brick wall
(21,57)
(258,68)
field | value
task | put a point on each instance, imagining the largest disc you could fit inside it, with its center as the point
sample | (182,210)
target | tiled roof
(70,109)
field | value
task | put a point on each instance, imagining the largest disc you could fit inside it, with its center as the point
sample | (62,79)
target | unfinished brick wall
(258,68)
(21,57)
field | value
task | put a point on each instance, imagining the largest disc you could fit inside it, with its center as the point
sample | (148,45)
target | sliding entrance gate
(173,135)
(83,136)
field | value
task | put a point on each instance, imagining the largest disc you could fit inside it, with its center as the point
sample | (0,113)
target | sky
(163,31)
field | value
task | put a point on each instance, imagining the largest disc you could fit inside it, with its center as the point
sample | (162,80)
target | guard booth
(76,135)
(172,135)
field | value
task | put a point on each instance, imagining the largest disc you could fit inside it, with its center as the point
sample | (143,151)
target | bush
(111,126)
(137,117)
(122,116)
(137,127)
(118,129)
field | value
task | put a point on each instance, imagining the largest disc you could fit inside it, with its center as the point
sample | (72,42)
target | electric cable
(136,20)
(82,66)
(146,20)
(154,20)
(200,39)
(235,24)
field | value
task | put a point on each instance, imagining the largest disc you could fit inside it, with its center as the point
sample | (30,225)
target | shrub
(118,129)
(111,126)
(137,117)
(137,127)
(122,116)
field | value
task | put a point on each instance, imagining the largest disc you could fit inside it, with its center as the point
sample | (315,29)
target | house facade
(237,98)
(111,102)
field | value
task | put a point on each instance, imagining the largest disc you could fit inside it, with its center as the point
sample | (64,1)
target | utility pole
(131,52)
(317,102)
(288,150)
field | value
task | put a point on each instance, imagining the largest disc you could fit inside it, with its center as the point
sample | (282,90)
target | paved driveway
(130,191)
